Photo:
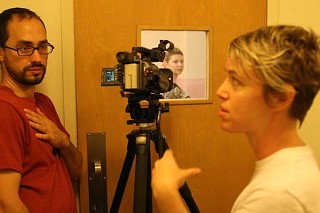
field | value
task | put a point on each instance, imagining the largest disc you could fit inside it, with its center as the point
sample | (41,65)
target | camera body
(135,72)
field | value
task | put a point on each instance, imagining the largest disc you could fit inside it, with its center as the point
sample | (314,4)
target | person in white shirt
(272,77)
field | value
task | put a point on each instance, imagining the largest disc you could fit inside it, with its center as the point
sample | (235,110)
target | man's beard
(20,76)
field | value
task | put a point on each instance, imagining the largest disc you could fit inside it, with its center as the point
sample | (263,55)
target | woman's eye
(235,81)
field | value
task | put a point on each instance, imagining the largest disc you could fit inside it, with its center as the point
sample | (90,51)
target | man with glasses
(38,163)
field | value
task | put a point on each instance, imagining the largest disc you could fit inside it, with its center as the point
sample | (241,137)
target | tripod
(139,147)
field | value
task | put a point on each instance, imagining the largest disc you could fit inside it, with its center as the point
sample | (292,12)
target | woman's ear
(284,100)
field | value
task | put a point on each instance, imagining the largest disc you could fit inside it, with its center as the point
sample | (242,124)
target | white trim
(68,65)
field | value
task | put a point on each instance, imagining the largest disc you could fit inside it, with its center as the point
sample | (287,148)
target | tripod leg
(123,179)
(187,196)
(142,188)
(149,190)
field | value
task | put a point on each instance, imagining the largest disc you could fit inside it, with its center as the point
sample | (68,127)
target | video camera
(135,72)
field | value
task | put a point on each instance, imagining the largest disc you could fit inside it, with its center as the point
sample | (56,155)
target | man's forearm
(14,208)
(10,200)
(73,160)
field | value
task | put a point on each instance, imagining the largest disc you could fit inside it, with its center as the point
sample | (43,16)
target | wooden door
(103,28)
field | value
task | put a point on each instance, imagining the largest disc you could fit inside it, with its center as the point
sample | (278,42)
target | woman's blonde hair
(175,51)
(280,56)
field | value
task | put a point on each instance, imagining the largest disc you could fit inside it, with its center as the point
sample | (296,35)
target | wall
(303,13)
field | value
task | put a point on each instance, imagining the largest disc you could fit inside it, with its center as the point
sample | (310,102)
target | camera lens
(123,57)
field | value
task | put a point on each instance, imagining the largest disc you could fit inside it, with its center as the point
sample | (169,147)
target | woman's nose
(222,91)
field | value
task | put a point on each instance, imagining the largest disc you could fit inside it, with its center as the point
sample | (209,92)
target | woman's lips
(223,111)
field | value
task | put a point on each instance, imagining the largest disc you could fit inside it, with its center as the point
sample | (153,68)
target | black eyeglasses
(43,49)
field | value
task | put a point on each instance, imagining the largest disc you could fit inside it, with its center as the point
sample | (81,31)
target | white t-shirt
(286,182)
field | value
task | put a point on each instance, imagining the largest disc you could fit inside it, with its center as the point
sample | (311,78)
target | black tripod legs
(124,175)
(139,147)
(142,188)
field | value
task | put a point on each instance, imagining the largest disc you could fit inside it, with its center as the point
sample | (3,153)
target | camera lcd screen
(108,77)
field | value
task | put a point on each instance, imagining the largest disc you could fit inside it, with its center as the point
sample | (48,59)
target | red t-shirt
(45,183)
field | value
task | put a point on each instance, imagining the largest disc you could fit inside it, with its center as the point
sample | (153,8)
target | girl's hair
(175,51)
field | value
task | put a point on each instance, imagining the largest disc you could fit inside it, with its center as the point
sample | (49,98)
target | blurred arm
(166,180)
(10,201)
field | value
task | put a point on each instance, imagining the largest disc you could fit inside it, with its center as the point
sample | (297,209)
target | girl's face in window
(176,64)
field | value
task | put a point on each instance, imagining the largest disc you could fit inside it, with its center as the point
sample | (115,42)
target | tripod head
(145,107)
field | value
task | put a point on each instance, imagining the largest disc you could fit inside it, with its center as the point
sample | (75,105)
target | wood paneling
(103,28)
